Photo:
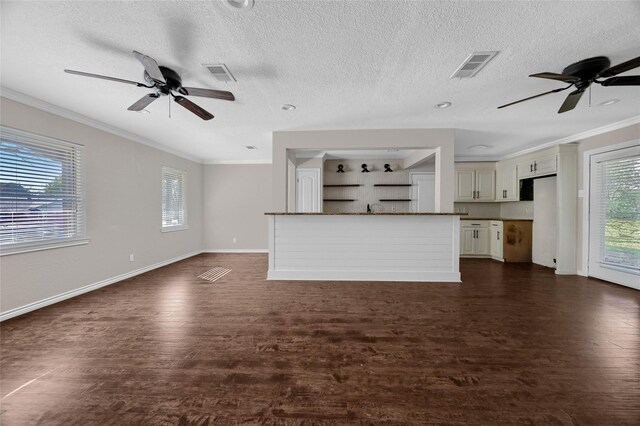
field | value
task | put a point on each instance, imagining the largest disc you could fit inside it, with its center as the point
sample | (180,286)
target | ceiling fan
(164,81)
(582,74)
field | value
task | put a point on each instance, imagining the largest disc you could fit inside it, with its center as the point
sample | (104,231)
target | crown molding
(578,136)
(237,162)
(82,119)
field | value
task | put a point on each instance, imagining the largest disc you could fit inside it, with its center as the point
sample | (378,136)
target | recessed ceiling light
(251,147)
(288,107)
(477,147)
(609,102)
(241,4)
(443,105)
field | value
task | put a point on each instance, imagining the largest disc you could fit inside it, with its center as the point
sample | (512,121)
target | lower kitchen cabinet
(503,240)
(496,236)
(474,238)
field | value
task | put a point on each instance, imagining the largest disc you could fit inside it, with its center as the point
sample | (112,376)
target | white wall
(441,140)
(123,205)
(544,221)
(236,197)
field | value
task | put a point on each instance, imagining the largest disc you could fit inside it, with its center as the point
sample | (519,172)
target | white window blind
(615,216)
(41,191)
(173,198)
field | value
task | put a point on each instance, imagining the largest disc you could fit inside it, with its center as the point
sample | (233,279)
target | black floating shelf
(342,185)
(336,199)
(392,184)
(395,199)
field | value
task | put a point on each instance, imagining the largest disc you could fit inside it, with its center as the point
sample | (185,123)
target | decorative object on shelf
(368,208)
(387,168)
(364,168)
(340,168)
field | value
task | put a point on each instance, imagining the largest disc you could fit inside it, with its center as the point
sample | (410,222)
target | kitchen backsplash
(513,210)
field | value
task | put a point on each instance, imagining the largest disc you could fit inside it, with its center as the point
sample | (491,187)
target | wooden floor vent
(214,274)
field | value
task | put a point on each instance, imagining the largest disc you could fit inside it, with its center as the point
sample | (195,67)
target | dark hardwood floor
(514,344)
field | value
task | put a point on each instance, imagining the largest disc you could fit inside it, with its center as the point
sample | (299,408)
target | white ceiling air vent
(473,64)
(220,72)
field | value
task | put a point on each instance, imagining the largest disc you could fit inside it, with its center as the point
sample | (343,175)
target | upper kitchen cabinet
(507,181)
(475,183)
(538,165)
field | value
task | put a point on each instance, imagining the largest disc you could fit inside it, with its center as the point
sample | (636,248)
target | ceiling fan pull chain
(589,96)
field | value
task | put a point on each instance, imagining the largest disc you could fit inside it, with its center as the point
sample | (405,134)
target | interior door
(614,216)
(423,192)
(308,191)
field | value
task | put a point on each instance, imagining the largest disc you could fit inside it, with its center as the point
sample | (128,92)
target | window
(41,192)
(174,210)
(614,235)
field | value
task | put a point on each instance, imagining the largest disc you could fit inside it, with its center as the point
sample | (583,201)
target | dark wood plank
(513,344)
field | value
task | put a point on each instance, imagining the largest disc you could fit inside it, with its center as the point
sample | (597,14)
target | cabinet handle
(498,235)
(535,166)
(477,194)
(531,168)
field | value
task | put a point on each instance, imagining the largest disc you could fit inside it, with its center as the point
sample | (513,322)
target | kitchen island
(364,246)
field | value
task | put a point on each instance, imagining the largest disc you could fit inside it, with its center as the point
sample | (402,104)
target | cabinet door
(467,240)
(485,185)
(525,169)
(510,183)
(496,240)
(465,185)
(481,241)
(545,165)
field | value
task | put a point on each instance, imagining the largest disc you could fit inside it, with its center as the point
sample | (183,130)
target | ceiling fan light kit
(165,82)
(583,74)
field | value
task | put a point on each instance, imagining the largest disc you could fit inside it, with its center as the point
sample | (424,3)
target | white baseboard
(235,251)
(324,275)
(73,293)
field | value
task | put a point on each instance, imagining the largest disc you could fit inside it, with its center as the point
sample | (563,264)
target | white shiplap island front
(364,246)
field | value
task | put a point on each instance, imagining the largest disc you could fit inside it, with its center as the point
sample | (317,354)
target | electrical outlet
(235,240)
(131,258)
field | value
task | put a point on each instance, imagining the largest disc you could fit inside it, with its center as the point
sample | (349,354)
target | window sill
(26,248)
(174,228)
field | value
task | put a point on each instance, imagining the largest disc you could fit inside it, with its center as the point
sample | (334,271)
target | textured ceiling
(344,64)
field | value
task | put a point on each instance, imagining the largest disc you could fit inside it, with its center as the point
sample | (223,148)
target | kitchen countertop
(366,214)
(495,218)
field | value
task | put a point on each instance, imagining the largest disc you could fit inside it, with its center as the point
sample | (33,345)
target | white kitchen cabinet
(496,243)
(538,166)
(475,185)
(507,188)
(474,237)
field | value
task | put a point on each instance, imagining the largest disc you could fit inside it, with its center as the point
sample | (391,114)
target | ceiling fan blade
(143,102)
(571,101)
(210,93)
(631,80)
(104,77)
(200,112)
(555,76)
(151,66)
(620,68)
(535,96)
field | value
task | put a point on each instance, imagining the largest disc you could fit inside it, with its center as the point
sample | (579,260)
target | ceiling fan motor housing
(174,82)
(587,70)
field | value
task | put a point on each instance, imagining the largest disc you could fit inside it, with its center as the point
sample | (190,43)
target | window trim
(31,246)
(185,225)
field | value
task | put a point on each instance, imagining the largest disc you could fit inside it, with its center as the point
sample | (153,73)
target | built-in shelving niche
(366,188)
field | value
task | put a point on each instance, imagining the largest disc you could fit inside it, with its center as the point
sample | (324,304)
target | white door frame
(585,193)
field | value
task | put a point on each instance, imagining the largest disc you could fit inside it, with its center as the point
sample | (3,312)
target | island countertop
(365,214)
